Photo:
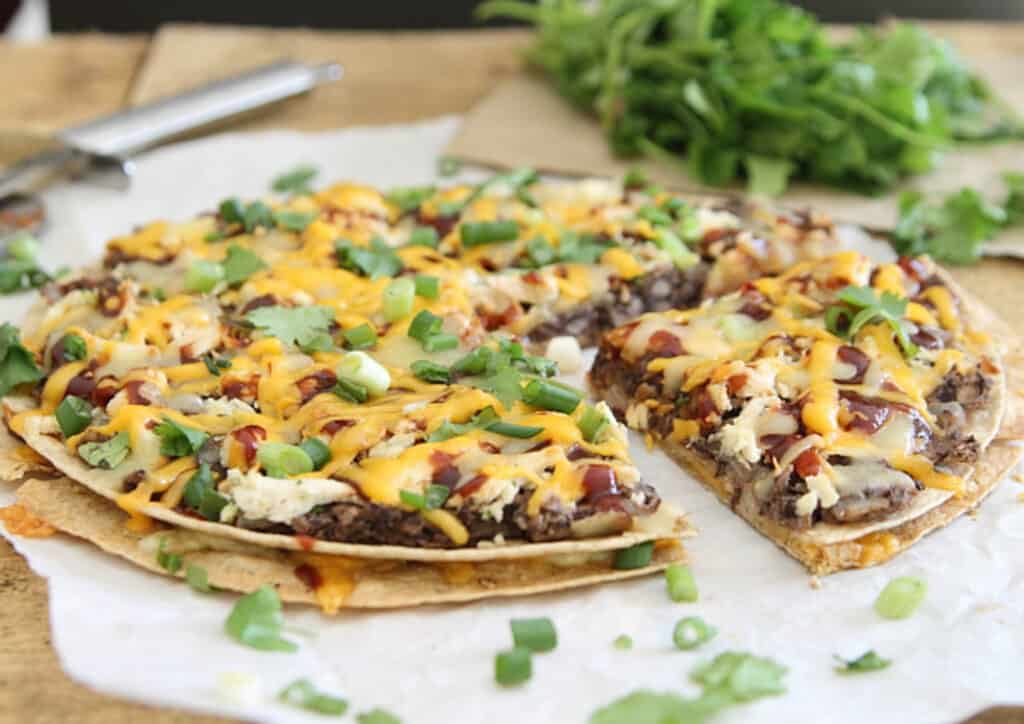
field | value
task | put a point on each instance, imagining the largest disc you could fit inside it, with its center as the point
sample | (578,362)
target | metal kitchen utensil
(98,150)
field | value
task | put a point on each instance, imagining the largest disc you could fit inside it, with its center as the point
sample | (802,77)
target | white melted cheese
(281,499)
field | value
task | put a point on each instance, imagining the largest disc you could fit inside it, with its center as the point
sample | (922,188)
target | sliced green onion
(634,179)
(654,216)
(440,342)
(256,621)
(535,634)
(478,233)
(677,251)
(240,264)
(550,396)
(868,661)
(431,499)
(431,372)
(198,579)
(508,429)
(317,450)
(592,423)
(73,415)
(377,716)
(23,247)
(203,276)
(425,324)
(215,365)
(396,302)
(901,597)
(351,391)
(691,632)
(303,694)
(73,347)
(281,460)
(427,286)
(513,667)
(688,227)
(362,337)
(474,363)
(636,556)
(680,582)
(363,369)
(170,562)
(424,236)
(623,642)
(540,251)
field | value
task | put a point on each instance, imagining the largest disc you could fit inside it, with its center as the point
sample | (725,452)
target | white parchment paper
(134,634)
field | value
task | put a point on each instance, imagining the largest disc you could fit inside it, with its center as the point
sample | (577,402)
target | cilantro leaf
(294,220)
(296,180)
(17,275)
(177,441)
(17,365)
(303,694)
(379,260)
(108,454)
(767,176)
(304,327)
(240,264)
(409,199)
(868,661)
(257,214)
(953,231)
(861,306)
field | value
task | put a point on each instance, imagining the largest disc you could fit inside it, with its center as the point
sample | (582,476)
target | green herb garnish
(108,454)
(178,440)
(362,337)
(680,582)
(623,642)
(201,494)
(296,180)
(636,556)
(862,305)
(215,364)
(376,261)
(410,199)
(240,264)
(73,415)
(317,450)
(304,327)
(198,578)
(17,365)
(431,372)
(73,348)
(868,661)
(281,460)
(256,621)
(691,632)
(432,498)
(535,634)
(901,597)
(296,221)
(170,562)
(303,694)
(513,667)
(377,716)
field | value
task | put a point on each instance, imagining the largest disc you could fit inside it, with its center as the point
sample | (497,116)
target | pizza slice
(844,408)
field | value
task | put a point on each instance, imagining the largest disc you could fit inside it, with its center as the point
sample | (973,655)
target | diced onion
(566,352)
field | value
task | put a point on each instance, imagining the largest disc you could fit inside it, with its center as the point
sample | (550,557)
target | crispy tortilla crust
(826,549)
(870,549)
(666,523)
(245,567)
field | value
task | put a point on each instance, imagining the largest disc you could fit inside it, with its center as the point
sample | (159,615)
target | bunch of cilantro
(755,89)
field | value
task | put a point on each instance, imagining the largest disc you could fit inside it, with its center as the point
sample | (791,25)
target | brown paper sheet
(525,123)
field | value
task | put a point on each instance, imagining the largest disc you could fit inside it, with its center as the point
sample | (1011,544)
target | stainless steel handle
(132,130)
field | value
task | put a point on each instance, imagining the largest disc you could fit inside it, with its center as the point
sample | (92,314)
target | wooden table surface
(67,80)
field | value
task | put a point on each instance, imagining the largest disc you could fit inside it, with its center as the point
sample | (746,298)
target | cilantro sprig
(307,328)
(256,621)
(17,365)
(376,261)
(296,180)
(860,306)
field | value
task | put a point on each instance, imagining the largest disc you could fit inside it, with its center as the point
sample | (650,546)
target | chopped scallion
(427,286)
(551,396)
(362,337)
(592,423)
(73,415)
(431,372)
(513,667)
(303,694)
(203,276)
(691,632)
(680,582)
(901,597)
(281,460)
(535,634)
(317,450)
(636,556)
(397,300)
(478,233)
(424,236)
(364,370)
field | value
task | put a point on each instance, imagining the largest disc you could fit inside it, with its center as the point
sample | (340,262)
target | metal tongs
(100,150)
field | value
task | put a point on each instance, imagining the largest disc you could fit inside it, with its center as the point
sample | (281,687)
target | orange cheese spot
(19,521)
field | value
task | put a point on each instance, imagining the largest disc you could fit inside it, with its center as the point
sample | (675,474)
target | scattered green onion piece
(73,415)
(170,562)
(317,450)
(692,632)
(364,370)
(303,694)
(688,228)
(513,667)
(281,460)
(623,642)
(408,199)
(296,180)
(377,716)
(540,251)
(427,286)
(868,661)
(478,233)
(635,179)
(23,247)
(474,363)
(256,620)
(351,391)
(636,556)
(215,365)
(196,487)
(654,216)
(440,342)
(431,372)
(431,499)
(73,348)
(549,396)
(508,429)
(424,325)
(198,579)
(362,337)
(424,236)
(535,634)
(212,504)
(901,597)
(677,251)
(178,440)
(680,582)
(592,423)
(397,299)
(203,276)
(159,294)
(216,235)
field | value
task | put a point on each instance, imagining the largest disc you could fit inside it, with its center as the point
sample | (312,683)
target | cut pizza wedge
(843,408)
